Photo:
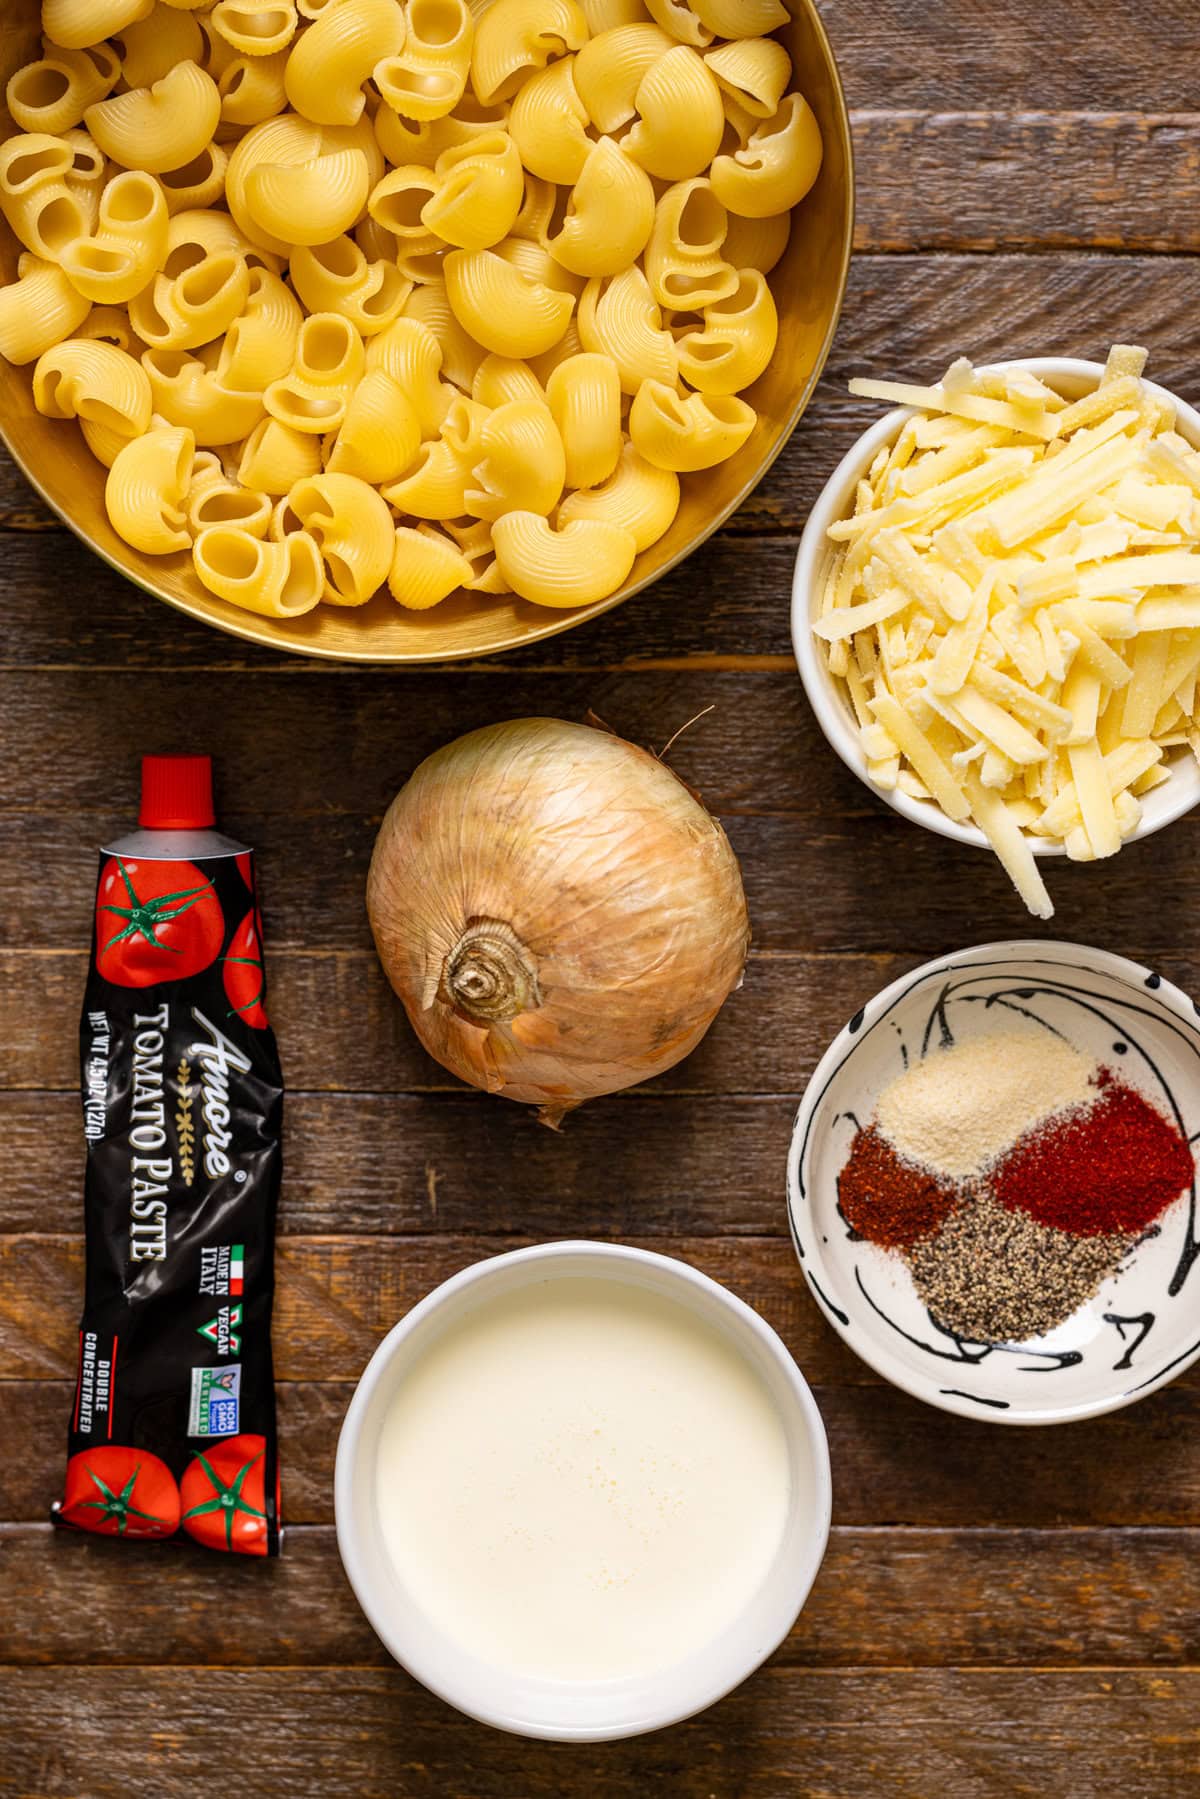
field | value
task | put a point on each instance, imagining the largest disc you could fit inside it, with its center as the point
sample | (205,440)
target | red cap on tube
(176,793)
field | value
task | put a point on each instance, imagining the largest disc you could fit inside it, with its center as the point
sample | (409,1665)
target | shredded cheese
(1013,607)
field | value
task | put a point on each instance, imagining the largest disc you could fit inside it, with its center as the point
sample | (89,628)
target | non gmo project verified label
(224,1330)
(215,1401)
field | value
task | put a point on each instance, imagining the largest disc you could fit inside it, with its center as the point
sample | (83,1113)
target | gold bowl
(808,285)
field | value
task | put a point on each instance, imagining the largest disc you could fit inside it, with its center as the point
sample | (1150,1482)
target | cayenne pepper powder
(1109,1167)
(889,1201)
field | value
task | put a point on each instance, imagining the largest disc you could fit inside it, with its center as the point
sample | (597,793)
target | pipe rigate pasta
(621,319)
(515,37)
(309,202)
(275,456)
(687,433)
(610,213)
(333,60)
(774,170)
(129,245)
(412,356)
(104,441)
(682,22)
(521,462)
(480,187)
(38,310)
(110,325)
(159,127)
(82,378)
(197,306)
(426,567)
(77,24)
(260,344)
(329,363)
(584,396)
(398,201)
(252,89)
(37,196)
(606,15)
(337,277)
(353,530)
(280,580)
(255,27)
(198,184)
(380,434)
(410,142)
(52,94)
(680,117)
(502,308)
(757,243)
(426,80)
(442,295)
(436,485)
(499,379)
(151,47)
(754,71)
(740,18)
(187,392)
(737,342)
(474,539)
(224,502)
(548,123)
(638,496)
(146,488)
(554,567)
(687,262)
(608,72)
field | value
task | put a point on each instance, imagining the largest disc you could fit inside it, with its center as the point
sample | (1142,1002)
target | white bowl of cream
(582,1491)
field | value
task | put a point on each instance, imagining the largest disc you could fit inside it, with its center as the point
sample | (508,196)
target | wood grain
(858,880)
(1056,54)
(896,1462)
(934,180)
(910,1598)
(116,1733)
(767,1038)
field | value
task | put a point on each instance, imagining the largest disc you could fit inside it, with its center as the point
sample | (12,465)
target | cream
(581,1481)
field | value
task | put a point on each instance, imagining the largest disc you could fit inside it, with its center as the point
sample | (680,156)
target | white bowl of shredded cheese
(996,749)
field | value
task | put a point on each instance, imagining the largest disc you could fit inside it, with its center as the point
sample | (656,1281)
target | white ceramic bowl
(567,1710)
(1143,1326)
(1069,376)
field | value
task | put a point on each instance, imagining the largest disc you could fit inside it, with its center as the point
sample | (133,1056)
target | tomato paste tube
(173,1423)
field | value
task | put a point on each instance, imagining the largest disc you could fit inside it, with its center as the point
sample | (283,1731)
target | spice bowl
(1135,1330)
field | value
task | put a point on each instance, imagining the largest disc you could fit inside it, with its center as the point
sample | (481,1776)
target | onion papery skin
(559,914)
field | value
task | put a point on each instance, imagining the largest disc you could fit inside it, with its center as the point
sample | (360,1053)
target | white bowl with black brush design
(992,1312)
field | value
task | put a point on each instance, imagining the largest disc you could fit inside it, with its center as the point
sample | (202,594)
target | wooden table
(1000,1612)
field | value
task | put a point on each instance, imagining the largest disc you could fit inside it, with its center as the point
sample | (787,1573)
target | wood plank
(908,315)
(1104,54)
(858,878)
(766,1039)
(882,1599)
(895,1461)
(942,180)
(337,1296)
(66,748)
(297,1734)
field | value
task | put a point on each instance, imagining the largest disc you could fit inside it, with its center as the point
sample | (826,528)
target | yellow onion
(558,912)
